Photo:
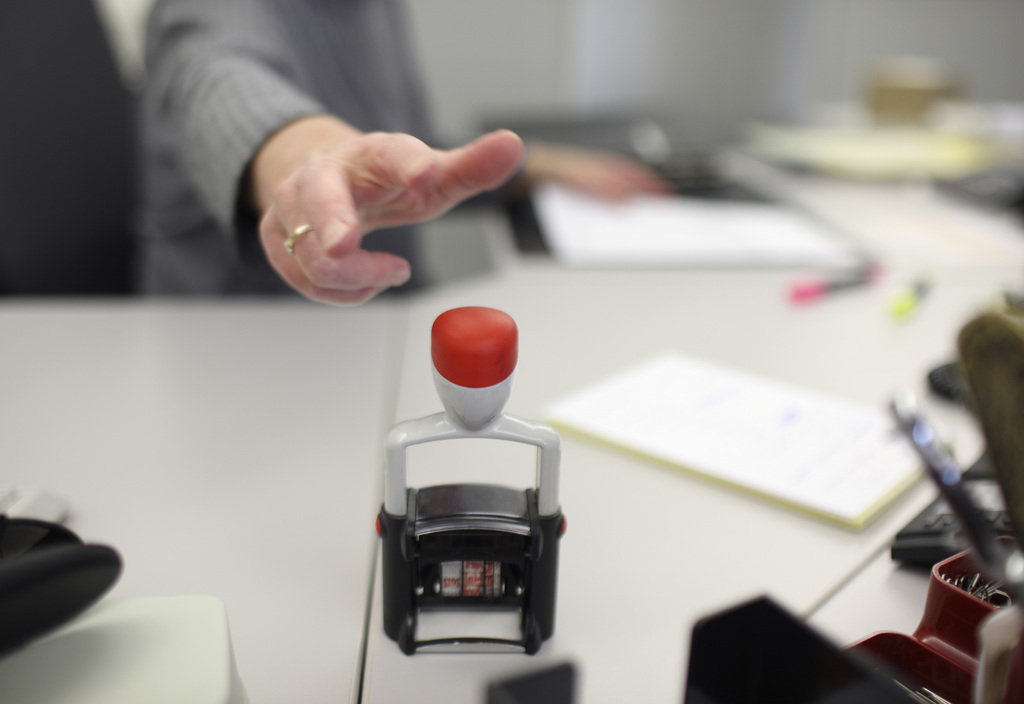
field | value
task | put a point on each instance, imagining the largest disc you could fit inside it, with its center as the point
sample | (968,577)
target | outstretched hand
(598,173)
(322,174)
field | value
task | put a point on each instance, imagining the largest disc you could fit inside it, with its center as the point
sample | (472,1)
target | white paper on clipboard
(652,231)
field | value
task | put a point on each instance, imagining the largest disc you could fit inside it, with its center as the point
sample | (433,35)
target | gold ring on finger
(289,244)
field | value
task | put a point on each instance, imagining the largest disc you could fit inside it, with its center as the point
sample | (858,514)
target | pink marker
(812,290)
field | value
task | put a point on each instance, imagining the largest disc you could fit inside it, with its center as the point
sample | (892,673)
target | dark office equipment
(758,653)
(479,548)
(946,381)
(998,188)
(66,140)
(692,170)
(47,577)
(696,174)
(553,685)
(988,377)
(935,533)
(489,542)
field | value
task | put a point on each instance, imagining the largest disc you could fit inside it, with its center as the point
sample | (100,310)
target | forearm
(218,88)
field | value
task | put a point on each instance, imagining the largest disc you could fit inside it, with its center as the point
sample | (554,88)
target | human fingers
(319,196)
(380,168)
(617,180)
(353,279)
(396,179)
(342,192)
(344,277)
(485,163)
(639,178)
(599,173)
(396,162)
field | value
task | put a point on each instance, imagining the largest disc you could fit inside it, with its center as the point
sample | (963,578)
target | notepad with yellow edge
(826,457)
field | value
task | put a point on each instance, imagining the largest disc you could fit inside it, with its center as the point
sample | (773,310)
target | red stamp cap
(474,346)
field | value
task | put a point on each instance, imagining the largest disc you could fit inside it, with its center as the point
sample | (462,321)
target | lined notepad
(824,456)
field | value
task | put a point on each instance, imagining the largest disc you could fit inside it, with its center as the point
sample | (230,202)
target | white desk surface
(883,596)
(223,449)
(648,551)
(233,449)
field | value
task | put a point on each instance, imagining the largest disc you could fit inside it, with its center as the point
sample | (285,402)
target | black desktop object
(758,653)
(552,685)
(471,548)
(997,188)
(692,169)
(496,558)
(934,534)
(47,577)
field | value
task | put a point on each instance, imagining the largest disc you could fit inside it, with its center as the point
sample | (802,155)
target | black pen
(995,560)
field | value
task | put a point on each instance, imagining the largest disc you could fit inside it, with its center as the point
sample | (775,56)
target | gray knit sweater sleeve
(221,86)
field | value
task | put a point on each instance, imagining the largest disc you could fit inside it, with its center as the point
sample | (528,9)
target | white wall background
(981,39)
(713,63)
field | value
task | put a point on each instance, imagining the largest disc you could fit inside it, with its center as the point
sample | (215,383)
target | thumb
(484,163)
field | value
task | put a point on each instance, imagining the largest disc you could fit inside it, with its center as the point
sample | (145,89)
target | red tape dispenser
(965,615)
(472,548)
(966,648)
